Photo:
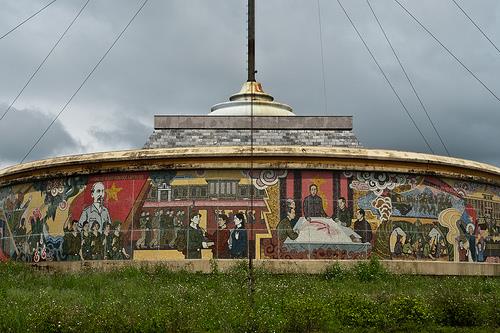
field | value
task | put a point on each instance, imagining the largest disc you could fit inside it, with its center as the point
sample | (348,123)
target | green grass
(363,299)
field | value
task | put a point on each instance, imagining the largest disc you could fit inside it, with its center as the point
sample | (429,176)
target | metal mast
(251,100)
(251,41)
(251,79)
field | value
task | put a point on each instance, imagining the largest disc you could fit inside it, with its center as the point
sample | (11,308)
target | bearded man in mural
(96,212)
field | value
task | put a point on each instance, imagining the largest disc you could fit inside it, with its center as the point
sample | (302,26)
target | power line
(407,77)
(29,18)
(449,52)
(385,76)
(85,80)
(477,26)
(44,60)
(322,57)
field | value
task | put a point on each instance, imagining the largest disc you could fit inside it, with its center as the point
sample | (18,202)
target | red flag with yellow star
(123,194)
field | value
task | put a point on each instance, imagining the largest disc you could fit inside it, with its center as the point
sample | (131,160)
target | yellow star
(113,192)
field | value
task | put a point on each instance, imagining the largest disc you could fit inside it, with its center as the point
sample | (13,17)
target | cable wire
(477,26)
(85,80)
(322,57)
(449,52)
(44,60)
(386,78)
(26,20)
(408,78)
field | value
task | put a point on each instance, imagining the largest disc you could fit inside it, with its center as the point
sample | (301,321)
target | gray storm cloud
(181,57)
(20,129)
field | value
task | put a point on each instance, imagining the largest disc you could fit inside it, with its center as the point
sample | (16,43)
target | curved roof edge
(335,158)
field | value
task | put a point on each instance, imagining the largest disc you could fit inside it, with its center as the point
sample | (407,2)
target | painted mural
(273,214)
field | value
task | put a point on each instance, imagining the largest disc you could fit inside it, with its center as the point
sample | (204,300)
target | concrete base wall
(279,266)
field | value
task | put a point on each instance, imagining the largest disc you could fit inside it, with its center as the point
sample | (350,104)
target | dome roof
(251,100)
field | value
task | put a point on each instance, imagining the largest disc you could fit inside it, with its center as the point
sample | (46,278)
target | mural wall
(275,214)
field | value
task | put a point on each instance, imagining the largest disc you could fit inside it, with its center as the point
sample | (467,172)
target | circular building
(267,187)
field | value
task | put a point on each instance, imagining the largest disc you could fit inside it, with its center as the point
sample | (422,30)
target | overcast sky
(183,56)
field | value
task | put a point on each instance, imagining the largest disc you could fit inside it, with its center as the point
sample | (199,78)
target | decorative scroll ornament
(384,207)
(378,182)
(262,179)
(465,188)
(55,187)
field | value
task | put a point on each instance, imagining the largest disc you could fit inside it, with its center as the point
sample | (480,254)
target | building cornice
(242,157)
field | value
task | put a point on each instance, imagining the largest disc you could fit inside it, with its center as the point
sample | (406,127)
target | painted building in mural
(285,213)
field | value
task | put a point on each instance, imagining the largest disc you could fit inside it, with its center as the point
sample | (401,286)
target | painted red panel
(344,187)
(289,185)
(323,179)
(122,191)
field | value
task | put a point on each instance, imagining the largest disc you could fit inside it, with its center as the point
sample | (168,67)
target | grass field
(365,298)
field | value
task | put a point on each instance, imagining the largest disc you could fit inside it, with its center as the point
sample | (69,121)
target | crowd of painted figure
(95,237)
(92,237)
(91,243)
(433,244)
(224,243)
(166,229)
(472,248)
(30,246)
(160,229)
(425,203)
(80,242)
(419,244)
